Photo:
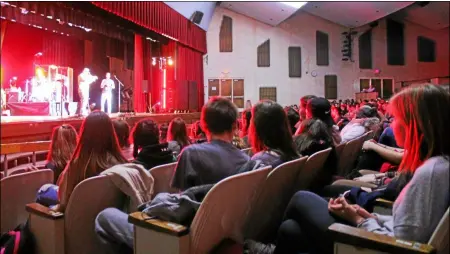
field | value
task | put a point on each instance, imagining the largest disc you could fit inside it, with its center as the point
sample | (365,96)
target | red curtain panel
(139,97)
(159,17)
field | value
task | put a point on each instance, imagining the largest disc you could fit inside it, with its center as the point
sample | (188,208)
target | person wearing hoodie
(147,150)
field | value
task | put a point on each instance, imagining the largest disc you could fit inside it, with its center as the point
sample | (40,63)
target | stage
(15,129)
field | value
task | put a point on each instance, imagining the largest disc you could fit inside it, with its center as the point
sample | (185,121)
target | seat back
(312,168)
(224,210)
(18,190)
(88,199)
(266,213)
(349,155)
(439,239)
(163,176)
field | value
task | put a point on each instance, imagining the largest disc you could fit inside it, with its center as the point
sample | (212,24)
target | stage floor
(16,129)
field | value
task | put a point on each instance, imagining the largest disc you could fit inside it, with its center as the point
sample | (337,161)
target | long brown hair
(64,141)
(425,113)
(96,151)
(270,130)
(178,132)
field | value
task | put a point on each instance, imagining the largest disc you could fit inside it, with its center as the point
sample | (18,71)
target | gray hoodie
(419,207)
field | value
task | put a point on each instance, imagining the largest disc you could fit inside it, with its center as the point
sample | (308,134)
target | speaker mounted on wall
(197,17)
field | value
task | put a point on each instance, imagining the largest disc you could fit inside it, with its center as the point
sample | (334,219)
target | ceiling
(271,13)
(434,15)
(353,14)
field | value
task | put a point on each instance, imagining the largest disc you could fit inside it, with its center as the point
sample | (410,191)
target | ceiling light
(297,5)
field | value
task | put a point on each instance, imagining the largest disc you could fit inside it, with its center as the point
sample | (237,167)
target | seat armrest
(361,238)
(43,211)
(157,236)
(143,220)
(47,227)
(384,203)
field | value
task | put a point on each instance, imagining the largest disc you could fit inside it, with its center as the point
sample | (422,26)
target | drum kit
(39,88)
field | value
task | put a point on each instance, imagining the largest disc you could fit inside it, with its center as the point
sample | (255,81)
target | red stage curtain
(189,64)
(139,99)
(2,31)
(159,17)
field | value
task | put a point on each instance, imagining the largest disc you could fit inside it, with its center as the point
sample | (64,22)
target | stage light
(24,11)
(154,61)
(38,54)
(170,62)
(49,17)
(87,29)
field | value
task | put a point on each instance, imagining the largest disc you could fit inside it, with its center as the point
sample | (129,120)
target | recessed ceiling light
(378,11)
(296,5)
(282,10)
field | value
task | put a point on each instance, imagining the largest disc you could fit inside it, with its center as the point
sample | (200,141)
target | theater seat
(266,214)
(221,216)
(162,176)
(351,240)
(72,232)
(18,190)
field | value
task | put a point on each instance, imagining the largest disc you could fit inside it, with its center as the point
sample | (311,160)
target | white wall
(300,30)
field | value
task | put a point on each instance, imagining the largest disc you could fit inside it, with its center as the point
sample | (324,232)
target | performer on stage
(85,79)
(107,86)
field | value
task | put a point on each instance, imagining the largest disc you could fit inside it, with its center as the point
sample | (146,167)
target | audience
(246,117)
(313,136)
(320,108)
(365,120)
(96,151)
(198,164)
(422,118)
(122,130)
(197,133)
(163,133)
(177,136)
(64,141)
(216,159)
(147,150)
(270,134)
(413,127)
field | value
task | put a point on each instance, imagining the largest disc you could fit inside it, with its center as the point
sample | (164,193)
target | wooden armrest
(143,220)
(384,203)
(363,239)
(43,211)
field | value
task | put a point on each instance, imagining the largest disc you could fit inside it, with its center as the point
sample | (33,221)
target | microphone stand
(119,97)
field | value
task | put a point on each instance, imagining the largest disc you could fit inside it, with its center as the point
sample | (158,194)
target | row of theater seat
(247,205)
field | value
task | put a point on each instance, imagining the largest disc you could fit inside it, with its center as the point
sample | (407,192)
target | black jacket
(154,155)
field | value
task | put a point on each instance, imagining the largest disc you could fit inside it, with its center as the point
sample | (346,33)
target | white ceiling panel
(434,15)
(271,13)
(353,14)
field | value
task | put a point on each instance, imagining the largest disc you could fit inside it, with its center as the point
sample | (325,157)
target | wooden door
(225,87)
(238,92)
(213,87)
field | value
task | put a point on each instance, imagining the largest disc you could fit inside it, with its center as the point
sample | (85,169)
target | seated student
(64,141)
(122,130)
(313,137)
(197,133)
(96,151)
(420,205)
(177,136)
(270,134)
(293,118)
(387,138)
(147,150)
(216,159)
(320,108)
(198,164)
(302,109)
(246,117)
(365,120)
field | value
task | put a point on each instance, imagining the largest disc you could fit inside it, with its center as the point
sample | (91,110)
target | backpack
(18,241)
